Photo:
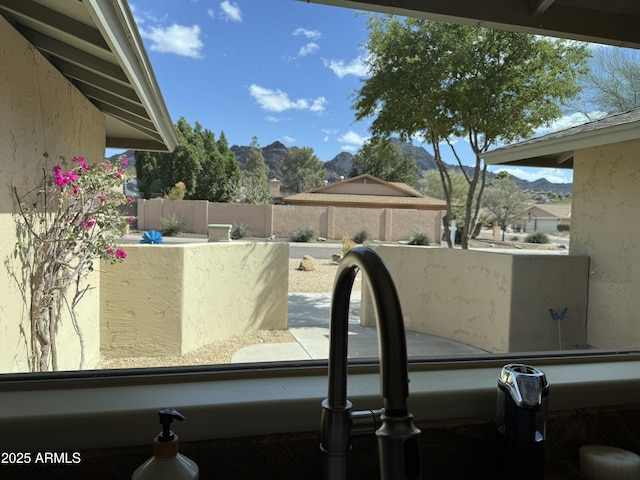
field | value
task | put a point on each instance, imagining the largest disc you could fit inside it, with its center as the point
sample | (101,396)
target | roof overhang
(613,22)
(556,150)
(96,45)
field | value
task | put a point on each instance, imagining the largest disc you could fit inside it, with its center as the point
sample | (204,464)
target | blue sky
(279,69)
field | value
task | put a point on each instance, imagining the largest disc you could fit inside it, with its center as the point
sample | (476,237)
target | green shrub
(303,234)
(360,237)
(563,227)
(515,238)
(419,238)
(239,230)
(172,225)
(537,237)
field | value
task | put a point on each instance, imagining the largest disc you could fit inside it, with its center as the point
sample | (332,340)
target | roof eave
(560,20)
(115,22)
(556,152)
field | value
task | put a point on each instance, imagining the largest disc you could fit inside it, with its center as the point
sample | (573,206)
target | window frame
(116,408)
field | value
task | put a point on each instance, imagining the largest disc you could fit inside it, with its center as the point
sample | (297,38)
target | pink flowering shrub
(73,222)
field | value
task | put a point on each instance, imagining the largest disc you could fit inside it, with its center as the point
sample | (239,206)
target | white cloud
(326,138)
(178,39)
(569,121)
(231,11)
(289,139)
(355,67)
(349,148)
(310,34)
(279,101)
(211,12)
(272,119)
(352,141)
(318,105)
(308,49)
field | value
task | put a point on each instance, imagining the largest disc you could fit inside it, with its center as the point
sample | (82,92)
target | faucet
(398,438)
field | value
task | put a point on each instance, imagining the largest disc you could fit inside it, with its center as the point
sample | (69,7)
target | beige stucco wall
(604,226)
(494,301)
(194,214)
(173,299)
(40,111)
(388,224)
(287,219)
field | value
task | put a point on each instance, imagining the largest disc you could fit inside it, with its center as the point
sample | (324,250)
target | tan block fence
(263,221)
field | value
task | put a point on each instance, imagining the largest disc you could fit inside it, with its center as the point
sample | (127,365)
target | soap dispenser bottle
(521,417)
(167,463)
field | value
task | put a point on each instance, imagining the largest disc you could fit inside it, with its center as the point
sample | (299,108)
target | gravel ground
(319,280)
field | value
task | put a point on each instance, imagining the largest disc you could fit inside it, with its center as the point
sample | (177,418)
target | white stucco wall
(604,226)
(40,112)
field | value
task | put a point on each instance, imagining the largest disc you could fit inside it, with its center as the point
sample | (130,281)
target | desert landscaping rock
(308,264)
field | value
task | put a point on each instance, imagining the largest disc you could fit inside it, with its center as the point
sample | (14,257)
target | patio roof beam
(51,19)
(86,77)
(74,55)
(538,7)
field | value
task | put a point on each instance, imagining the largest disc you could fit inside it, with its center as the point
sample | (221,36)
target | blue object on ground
(151,237)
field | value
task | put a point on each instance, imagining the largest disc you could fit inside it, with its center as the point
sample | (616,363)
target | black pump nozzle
(167,415)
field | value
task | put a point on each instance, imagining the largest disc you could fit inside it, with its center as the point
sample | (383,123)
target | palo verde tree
(302,170)
(253,185)
(611,84)
(383,159)
(439,81)
(505,200)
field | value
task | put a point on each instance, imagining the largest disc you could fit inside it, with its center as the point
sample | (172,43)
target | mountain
(273,155)
(129,155)
(340,166)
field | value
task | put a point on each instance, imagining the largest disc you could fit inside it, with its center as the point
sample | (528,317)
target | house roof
(613,22)
(555,150)
(369,192)
(558,210)
(95,44)
(390,188)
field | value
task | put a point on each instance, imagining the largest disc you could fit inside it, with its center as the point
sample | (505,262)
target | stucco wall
(173,299)
(494,301)
(40,112)
(388,224)
(604,226)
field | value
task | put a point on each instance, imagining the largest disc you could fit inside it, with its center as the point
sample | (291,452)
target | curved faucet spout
(398,438)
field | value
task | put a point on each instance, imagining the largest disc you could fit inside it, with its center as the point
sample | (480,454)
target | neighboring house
(366,191)
(545,218)
(75,80)
(605,157)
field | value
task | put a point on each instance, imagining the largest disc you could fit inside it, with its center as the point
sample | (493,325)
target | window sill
(95,410)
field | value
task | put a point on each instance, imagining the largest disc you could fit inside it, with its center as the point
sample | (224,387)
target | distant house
(366,191)
(546,217)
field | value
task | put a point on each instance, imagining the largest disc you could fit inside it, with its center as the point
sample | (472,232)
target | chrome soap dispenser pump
(521,420)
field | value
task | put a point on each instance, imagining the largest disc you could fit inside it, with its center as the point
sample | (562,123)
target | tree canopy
(252,186)
(203,164)
(505,200)
(439,81)
(302,170)
(380,157)
(612,83)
